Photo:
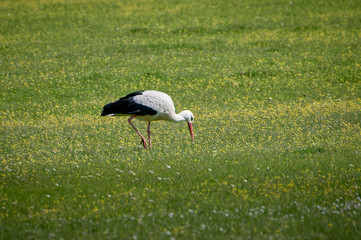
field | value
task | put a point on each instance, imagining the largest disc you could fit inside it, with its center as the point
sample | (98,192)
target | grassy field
(275,88)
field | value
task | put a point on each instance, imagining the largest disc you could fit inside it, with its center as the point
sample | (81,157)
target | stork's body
(147,106)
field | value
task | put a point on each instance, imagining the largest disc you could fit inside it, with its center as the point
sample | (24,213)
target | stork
(148,106)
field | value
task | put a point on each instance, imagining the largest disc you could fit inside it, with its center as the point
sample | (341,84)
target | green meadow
(275,89)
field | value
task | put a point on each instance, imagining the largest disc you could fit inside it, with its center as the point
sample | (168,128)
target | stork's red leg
(148,131)
(141,136)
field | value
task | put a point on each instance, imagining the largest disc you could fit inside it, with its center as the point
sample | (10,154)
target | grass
(274,87)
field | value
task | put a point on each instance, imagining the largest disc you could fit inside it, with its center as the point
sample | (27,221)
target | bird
(148,105)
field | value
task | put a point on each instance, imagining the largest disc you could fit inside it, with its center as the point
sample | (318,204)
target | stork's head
(188,117)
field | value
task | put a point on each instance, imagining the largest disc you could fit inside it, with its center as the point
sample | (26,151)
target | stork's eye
(191,118)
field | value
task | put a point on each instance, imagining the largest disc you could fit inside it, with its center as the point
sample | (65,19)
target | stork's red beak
(191,130)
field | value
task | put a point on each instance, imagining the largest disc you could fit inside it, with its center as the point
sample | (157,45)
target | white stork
(148,106)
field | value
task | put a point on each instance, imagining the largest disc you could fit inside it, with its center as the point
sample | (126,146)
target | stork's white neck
(178,118)
(182,116)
